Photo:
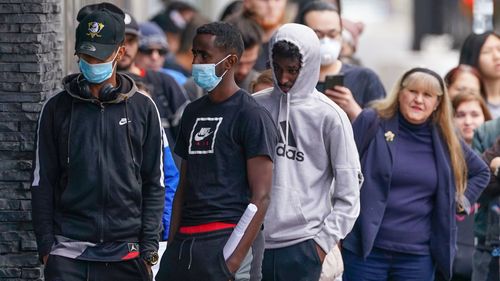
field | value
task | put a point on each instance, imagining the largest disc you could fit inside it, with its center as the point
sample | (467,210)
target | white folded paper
(239,230)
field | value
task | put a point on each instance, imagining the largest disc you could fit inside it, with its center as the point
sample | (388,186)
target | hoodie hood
(127,87)
(316,176)
(308,43)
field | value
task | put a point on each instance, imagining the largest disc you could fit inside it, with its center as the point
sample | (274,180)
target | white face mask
(329,50)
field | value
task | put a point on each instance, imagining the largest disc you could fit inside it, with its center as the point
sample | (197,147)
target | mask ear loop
(223,59)
(115,62)
(220,62)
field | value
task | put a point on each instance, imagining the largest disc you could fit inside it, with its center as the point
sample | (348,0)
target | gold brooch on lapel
(389,136)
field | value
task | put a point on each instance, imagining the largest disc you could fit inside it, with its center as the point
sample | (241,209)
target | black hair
(336,3)
(164,18)
(287,50)
(189,32)
(227,37)
(181,6)
(250,31)
(471,48)
(233,8)
(315,6)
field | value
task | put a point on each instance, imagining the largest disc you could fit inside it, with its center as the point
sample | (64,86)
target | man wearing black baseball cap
(97,192)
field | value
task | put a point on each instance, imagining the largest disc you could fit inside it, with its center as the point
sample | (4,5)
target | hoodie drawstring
(286,120)
(128,132)
(287,129)
(70,123)
(191,253)
(180,250)
(190,250)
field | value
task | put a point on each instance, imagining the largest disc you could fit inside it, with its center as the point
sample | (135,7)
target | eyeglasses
(149,52)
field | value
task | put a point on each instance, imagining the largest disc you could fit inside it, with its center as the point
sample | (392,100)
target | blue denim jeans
(387,265)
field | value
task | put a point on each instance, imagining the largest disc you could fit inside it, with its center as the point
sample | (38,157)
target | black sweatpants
(299,262)
(60,268)
(195,257)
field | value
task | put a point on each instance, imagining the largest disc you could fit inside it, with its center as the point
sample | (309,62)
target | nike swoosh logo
(123,121)
(200,137)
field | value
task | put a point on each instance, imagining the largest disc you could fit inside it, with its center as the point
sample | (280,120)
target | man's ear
(121,52)
(232,61)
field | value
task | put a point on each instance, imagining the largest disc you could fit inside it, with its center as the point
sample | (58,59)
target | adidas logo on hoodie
(289,150)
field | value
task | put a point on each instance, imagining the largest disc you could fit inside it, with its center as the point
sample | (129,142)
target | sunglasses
(149,52)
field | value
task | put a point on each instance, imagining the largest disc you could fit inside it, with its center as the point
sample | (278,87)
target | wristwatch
(151,258)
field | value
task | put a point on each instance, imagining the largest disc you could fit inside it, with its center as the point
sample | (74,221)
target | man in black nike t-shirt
(226,141)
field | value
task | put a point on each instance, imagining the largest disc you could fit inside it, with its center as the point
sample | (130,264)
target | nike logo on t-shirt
(202,134)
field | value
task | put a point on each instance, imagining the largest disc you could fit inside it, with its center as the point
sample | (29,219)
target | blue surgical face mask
(205,77)
(98,72)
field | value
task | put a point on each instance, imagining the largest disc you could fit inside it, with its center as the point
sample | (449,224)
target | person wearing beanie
(153,50)
(153,47)
(97,189)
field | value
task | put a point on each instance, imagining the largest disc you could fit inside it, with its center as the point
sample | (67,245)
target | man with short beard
(269,15)
(166,93)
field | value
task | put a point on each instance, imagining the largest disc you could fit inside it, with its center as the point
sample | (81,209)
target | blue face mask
(97,73)
(205,77)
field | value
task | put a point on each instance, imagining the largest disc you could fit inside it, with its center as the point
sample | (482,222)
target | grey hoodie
(317,174)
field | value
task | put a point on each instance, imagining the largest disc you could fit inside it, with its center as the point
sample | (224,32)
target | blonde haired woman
(417,176)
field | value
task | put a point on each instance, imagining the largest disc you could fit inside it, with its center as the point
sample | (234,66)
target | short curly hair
(286,49)
(227,37)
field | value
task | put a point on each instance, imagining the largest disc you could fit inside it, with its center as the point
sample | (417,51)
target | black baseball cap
(100,31)
(131,25)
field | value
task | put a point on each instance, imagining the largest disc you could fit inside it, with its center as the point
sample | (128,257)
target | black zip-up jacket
(98,174)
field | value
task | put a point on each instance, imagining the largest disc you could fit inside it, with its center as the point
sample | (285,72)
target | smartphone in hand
(334,80)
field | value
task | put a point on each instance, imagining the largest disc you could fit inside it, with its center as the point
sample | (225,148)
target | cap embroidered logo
(88,47)
(95,28)
(127,19)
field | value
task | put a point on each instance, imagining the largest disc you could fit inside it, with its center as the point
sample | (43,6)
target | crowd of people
(286,151)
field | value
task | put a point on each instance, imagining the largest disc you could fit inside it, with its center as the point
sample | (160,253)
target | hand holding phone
(334,80)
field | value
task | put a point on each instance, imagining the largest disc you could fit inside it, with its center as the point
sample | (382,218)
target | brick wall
(31,56)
